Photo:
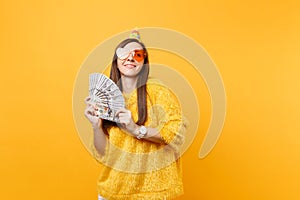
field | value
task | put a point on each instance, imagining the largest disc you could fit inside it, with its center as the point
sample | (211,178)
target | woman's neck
(128,83)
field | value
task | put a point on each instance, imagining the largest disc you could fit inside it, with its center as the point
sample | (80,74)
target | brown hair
(115,75)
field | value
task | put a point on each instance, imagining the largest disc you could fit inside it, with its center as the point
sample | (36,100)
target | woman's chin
(129,75)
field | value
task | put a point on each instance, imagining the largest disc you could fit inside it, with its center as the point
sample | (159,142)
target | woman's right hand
(90,114)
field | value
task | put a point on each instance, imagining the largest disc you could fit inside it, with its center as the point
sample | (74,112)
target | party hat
(135,34)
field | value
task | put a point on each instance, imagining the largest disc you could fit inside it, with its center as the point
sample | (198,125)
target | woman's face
(129,66)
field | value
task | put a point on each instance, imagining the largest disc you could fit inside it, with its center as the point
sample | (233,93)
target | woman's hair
(115,75)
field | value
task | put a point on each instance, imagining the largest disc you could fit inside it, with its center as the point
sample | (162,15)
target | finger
(90,111)
(87,110)
(122,110)
(87,99)
(97,113)
(122,115)
(88,114)
(124,120)
(95,107)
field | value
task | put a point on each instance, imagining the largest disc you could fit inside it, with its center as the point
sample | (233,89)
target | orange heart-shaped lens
(139,55)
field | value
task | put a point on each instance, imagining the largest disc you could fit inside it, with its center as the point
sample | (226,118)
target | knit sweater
(138,169)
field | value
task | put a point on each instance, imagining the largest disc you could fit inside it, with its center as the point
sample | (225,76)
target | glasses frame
(127,54)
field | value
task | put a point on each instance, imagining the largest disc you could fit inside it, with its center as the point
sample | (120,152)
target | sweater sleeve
(99,158)
(170,121)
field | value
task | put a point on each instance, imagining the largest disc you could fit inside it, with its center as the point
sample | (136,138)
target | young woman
(140,154)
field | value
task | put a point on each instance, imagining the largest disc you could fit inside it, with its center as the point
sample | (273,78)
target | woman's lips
(129,66)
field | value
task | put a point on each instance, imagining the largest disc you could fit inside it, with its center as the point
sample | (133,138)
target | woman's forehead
(133,45)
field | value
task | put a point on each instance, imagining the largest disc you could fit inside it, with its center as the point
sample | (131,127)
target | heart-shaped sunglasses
(138,54)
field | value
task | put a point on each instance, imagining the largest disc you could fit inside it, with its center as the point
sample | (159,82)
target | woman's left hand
(126,120)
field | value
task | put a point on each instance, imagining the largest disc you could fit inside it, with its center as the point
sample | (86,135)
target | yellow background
(255,45)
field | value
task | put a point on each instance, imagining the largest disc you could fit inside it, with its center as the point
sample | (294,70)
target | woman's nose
(130,57)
